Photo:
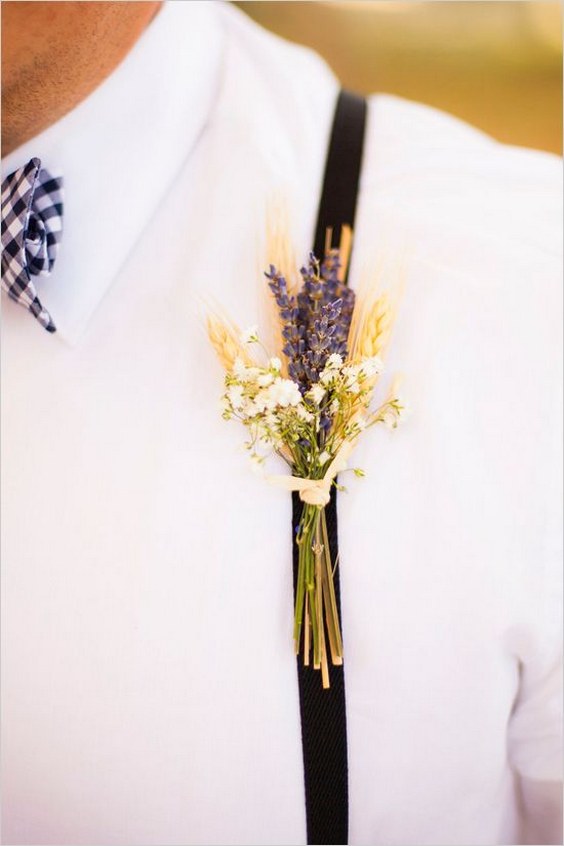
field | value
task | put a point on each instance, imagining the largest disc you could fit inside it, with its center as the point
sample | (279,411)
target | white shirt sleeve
(535,726)
(534,746)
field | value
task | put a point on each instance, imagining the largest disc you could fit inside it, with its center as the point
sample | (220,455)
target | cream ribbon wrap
(316,491)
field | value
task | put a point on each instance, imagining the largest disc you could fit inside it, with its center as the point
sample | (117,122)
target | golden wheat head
(225,340)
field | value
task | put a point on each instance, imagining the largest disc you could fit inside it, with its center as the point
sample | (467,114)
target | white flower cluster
(306,427)
(269,404)
(354,374)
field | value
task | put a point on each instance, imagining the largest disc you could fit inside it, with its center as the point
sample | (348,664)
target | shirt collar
(119,151)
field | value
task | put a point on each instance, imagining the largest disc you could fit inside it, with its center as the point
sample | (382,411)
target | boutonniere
(308,400)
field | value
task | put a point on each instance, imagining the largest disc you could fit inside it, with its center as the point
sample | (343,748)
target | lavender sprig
(311,296)
(316,323)
(320,340)
(292,332)
(335,289)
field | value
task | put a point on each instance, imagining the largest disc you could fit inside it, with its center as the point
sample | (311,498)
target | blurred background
(494,63)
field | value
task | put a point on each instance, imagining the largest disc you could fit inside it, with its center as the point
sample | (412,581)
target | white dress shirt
(149,687)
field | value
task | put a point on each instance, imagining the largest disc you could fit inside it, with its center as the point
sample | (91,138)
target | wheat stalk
(225,339)
(279,245)
(375,312)
(374,328)
(280,253)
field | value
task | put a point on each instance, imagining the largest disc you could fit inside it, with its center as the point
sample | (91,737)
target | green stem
(310,581)
(300,595)
(331,611)
(303,541)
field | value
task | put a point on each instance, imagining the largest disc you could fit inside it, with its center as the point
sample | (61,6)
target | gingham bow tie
(32,226)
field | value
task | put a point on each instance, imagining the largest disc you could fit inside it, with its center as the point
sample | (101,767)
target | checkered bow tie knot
(32,226)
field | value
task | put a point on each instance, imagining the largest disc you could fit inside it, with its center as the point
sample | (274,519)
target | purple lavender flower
(320,339)
(310,298)
(335,289)
(316,323)
(292,331)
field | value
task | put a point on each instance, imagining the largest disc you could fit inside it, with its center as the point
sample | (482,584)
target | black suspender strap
(323,711)
(337,206)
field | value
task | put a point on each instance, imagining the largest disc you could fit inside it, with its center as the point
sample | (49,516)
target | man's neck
(55,54)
